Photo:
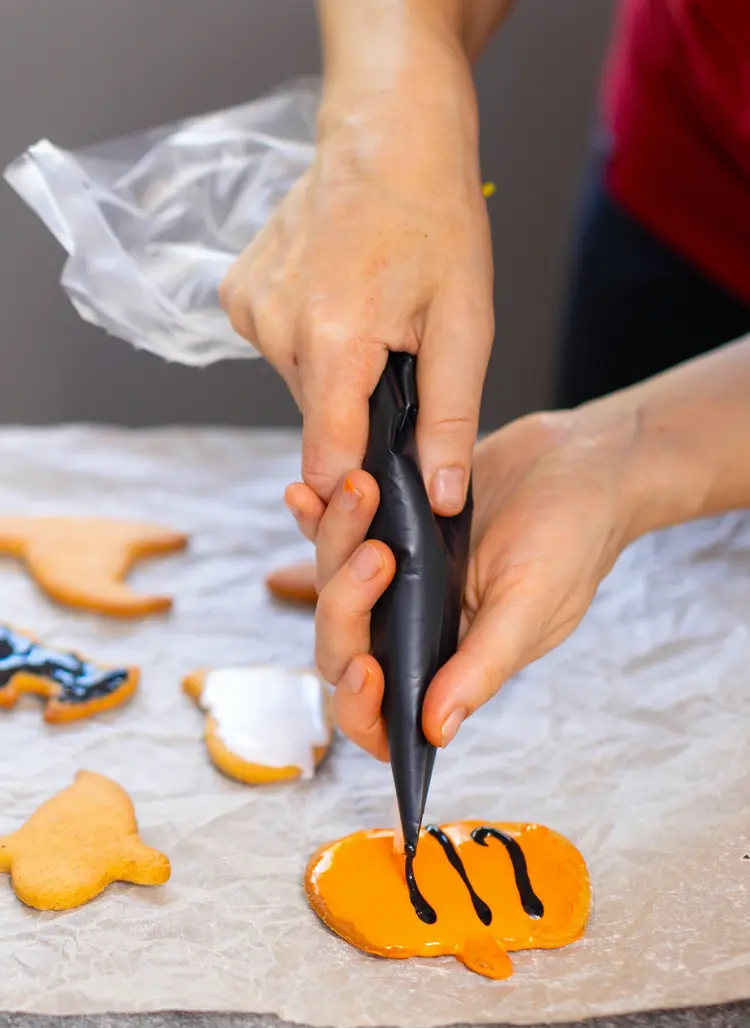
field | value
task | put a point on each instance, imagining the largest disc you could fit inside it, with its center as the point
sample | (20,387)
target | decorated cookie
(294,583)
(475,891)
(263,723)
(72,686)
(76,844)
(82,562)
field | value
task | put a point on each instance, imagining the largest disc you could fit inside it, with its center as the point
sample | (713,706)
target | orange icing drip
(357,887)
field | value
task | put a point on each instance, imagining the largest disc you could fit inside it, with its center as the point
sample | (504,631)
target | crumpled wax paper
(631,739)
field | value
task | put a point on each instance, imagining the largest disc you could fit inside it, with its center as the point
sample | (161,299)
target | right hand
(383,245)
(557,497)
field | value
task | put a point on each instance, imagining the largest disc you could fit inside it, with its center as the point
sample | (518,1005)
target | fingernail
(448,488)
(452,724)
(350,497)
(366,563)
(354,678)
(295,512)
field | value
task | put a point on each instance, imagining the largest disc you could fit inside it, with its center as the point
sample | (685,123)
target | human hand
(383,245)
(556,501)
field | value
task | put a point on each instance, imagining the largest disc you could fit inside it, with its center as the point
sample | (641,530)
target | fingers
(503,637)
(306,507)
(357,704)
(338,529)
(451,370)
(342,617)
(337,381)
(249,294)
(234,303)
(342,639)
(345,523)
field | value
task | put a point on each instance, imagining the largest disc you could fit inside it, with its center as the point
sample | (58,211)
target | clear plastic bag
(152,221)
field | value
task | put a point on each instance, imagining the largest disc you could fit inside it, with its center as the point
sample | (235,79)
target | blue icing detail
(79,680)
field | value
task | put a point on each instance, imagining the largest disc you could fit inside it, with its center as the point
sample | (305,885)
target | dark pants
(634,307)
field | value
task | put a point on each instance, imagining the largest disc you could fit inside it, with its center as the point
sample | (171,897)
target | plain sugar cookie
(263,723)
(82,562)
(73,686)
(479,892)
(76,844)
(294,583)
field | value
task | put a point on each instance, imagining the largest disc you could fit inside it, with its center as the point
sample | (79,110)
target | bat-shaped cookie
(82,562)
(72,686)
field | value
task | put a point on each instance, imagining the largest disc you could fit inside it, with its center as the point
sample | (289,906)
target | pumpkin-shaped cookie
(479,892)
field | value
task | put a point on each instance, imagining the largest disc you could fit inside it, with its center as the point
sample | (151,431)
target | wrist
(409,76)
(659,483)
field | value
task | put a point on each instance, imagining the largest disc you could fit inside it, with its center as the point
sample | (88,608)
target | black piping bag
(415,624)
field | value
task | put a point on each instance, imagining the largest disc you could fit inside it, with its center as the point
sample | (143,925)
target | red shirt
(677,104)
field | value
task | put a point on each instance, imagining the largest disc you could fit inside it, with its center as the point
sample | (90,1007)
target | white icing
(272,716)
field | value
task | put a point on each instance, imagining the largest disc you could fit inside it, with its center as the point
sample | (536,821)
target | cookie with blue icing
(72,686)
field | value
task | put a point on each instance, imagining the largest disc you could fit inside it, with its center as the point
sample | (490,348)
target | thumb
(502,639)
(451,369)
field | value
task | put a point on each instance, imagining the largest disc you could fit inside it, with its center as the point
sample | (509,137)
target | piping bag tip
(398,833)
(410,837)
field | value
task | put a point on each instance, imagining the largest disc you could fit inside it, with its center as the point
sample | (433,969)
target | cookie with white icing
(263,723)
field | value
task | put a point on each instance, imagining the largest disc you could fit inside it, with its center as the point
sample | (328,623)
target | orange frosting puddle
(357,887)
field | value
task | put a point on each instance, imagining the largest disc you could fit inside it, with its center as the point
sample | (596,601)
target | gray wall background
(78,71)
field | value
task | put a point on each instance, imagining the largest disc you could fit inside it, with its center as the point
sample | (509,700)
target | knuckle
(327,664)
(490,680)
(358,725)
(319,479)
(326,611)
(370,738)
(345,718)
(325,333)
(341,613)
(337,615)
(226,291)
(352,344)
(239,308)
(327,669)
(254,314)
(454,424)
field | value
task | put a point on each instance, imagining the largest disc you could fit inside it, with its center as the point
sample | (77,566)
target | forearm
(375,51)
(690,439)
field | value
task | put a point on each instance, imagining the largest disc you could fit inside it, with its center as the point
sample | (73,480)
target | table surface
(724,1016)
(730,1015)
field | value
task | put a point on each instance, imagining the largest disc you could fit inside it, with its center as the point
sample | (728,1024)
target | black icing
(481,909)
(529,899)
(79,680)
(422,908)
(530,902)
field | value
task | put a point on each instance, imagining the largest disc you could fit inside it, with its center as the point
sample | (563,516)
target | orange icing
(357,887)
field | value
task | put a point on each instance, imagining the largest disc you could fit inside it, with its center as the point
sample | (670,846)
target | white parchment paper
(632,739)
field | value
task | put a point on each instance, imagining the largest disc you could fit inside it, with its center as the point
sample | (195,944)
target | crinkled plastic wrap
(152,221)
(633,739)
(415,625)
